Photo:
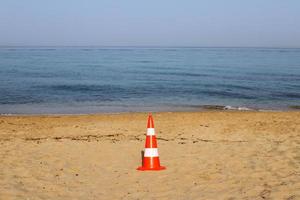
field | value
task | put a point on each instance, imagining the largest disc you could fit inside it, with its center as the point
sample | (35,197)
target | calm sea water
(94,79)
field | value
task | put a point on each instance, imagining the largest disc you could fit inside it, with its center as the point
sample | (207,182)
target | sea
(80,80)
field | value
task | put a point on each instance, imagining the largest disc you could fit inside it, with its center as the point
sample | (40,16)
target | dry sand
(208,155)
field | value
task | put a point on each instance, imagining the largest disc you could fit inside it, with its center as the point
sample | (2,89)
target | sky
(209,23)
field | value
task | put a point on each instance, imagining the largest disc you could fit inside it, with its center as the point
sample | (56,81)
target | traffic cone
(151,158)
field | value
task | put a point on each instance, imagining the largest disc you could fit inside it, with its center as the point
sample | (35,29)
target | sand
(208,155)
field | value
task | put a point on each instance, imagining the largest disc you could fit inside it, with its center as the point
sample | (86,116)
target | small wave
(287,95)
(171,49)
(212,107)
(237,108)
(6,114)
(221,107)
(239,87)
(87,49)
(295,107)
(42,49)
(180,74)
(86,88)
(227,94)
(145,61)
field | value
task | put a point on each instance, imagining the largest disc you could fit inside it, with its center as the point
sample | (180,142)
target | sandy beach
(208,155)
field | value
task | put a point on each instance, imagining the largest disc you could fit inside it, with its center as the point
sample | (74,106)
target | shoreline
(142,112)
(190,108)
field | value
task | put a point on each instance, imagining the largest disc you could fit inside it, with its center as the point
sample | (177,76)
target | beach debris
(150,155)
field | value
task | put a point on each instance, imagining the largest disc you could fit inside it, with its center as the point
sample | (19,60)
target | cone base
(142,168)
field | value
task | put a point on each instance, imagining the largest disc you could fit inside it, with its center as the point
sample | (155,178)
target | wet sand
(208,155)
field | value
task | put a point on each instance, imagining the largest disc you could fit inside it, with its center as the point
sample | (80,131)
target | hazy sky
(150,22)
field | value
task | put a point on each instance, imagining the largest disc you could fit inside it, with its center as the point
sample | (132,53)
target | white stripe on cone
(151,152)
(150,131)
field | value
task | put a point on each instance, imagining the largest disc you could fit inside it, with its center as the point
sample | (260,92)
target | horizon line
(148,46)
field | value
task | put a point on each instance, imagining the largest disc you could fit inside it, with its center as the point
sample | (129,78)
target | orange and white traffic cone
(151,158)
